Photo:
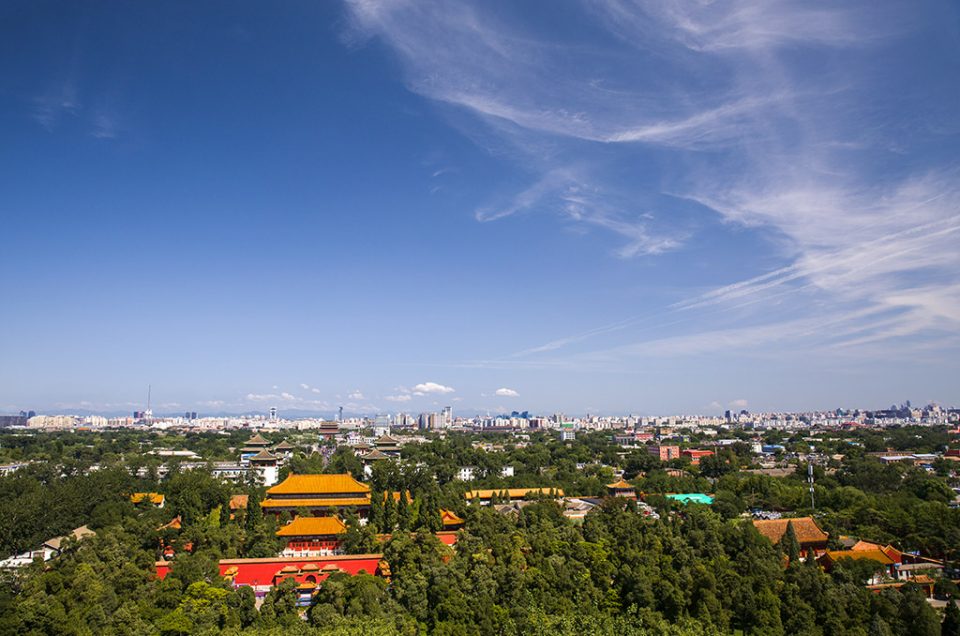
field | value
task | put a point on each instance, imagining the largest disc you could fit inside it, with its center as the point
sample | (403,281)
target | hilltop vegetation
(698,570)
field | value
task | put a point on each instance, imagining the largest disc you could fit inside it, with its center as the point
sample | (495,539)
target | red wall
(263,571)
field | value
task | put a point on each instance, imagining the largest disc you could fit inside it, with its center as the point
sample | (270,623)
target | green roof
(695,497)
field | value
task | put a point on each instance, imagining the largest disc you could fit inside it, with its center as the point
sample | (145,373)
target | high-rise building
(273,414)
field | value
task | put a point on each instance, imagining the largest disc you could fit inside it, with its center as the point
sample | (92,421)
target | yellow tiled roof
(316,503)
(450,518)
(312,526)
(873,555)
(318,485)
(153,497)
(514,493)
(620,485)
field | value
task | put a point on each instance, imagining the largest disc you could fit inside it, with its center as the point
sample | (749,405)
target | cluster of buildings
(444,420)
(894,567)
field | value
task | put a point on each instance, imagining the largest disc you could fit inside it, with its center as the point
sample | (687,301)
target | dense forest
(697,570)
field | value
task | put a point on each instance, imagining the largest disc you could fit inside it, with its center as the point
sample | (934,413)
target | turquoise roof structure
(695,497)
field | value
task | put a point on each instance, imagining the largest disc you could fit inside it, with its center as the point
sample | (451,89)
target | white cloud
(431,387)
(271,397)
(506,393)
(105,126)
(315,390)
(738,404)
(356,395)
(50,108)
(305,387)
(399,398)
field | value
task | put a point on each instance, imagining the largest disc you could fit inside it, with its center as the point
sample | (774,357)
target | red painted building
(664,452)
(262,574)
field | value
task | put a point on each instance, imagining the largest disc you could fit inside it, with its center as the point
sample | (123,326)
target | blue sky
(614,207)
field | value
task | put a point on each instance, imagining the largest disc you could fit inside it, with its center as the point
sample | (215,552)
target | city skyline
(612,208)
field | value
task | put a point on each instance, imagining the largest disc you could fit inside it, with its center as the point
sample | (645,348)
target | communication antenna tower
(810,480)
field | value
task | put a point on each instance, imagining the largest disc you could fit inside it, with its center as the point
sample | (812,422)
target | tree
(916,613)
(790,544)
(951,620)
(403,512)
(279,608)
(389,512)
(879,627)
(358,539)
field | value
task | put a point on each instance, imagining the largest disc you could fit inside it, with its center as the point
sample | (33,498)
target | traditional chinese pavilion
(255,444)
(621,488)
(813,540)
(450,520)
(322,495)
(312,536)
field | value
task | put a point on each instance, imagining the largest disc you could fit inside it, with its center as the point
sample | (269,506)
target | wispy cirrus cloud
(60,101)
(769,115)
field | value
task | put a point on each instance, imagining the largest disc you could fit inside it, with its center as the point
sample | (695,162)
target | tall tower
(273,414)
(148,414)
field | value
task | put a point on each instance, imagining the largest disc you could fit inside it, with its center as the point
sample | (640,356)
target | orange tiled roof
(805,528)
(239,502)
(620,485)
(889,550)
(174,524)
(312,526)
(316,503)
(865,545)
(318,485)
(893,553)
(514,493)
